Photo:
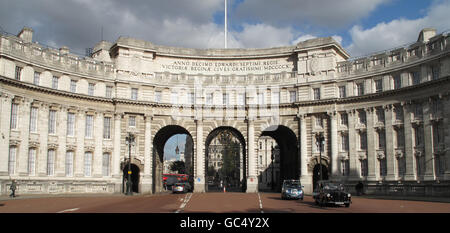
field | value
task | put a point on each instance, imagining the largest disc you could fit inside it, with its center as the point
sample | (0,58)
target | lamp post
(272,156)
(319,141)
(129,141)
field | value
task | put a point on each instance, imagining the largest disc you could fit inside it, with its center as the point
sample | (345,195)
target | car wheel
(347,205)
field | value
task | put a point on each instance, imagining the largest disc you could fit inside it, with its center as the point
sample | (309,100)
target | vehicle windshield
(333,186)
(292,184)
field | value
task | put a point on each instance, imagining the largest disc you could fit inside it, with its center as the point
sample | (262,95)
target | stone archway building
(385,117)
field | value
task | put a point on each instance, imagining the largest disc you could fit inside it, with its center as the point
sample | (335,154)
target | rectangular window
(435,72)
(37,78)
(261,98)
(378,85)
(225,99)
(363,141)
(134,93)
(51,162)
(70,124)
(18,73)
(360,89)
(69,163)
(275,98)
(241,99)
(345,167)
(12,160)
(383,167)
(380,115)
(108,93)
(316,93)
(364,167)
(73,86)
(52,122)
(418,133)
(362,117)
(87,163)
(381,140)
(89,126)
(91,88)
(107,128)
(55,80)
(33,119)
(415,76)
(106,164)
(174,98)
(132,121)
(209,98)
(32,161)
(344,119)
(158,96)
(397,82)
(344,142)
(292,96)
(191,98)
(319,122)
(398,113)
(400,138)
(14,115)
(342,92)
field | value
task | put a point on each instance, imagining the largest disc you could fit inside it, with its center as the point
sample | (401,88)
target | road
(210,203)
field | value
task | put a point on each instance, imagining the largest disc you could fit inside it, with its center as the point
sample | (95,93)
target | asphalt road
(209,203)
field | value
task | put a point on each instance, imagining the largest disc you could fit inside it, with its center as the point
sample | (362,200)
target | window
(383,166)
(107,128)
(70,124)
(32,161)
(359,89)
(261,98)
(401,166)
(18,73)
(381,140)
(174,98)
(435,72)
(106,164)
(316,93)
(378,85)
(52,122)
(418,133)
(209,98)
(362,141)
(37,78)
(91,88)
(88,163)
(158,96)
(397,82)
(89,126)
(342,92)
(12,160)
(225,99)
(275,98)
(345,167)
(191,98)
(319,121)
(69,163)
(14,115)
(380,115)
(132,121)
(415,76)
(134,93)
(33,119)
(51,162)
(344,142)
(400,138)
(344,119)
(108,93)
(55,80)
(364,167)
(73,86)
(292,96)
(362,117)
(418,111)
(241,99)
(398,113)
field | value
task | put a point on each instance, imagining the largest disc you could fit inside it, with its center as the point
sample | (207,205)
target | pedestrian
(13,188)
(359,188)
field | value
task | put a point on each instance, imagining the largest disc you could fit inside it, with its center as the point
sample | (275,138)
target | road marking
(68,210)
(260,204)
(186,200)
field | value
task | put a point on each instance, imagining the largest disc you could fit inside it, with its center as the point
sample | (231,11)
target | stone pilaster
(116,173)
(355,163)
(24,126)
(199,182)
(41,157)
(371,145)
(146,184)
(446,116)
(305,177)
(428,141)
(410,173)
(252,179)
(97,158)
(60,152)
(389,130)
(335,173)
(5,121)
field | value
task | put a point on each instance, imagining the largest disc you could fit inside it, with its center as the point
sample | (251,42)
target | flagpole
(225,24)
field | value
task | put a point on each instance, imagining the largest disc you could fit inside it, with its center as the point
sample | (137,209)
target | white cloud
(399,31)
(263,36)
(303,38)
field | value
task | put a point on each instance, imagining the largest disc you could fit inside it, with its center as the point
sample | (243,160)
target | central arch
(160,139)
(241,184)
(289,159)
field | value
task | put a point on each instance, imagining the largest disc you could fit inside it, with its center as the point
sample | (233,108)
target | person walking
(13,188)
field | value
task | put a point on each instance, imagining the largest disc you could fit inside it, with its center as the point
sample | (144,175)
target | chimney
(26,35)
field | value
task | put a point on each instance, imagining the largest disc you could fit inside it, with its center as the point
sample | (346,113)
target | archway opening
(316,174)
(225,161)
(284,160)
(172,158)
(134,177)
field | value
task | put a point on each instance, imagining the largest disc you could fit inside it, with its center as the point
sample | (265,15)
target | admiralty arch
(384,118)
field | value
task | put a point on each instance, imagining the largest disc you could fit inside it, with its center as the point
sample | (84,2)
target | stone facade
(64,118)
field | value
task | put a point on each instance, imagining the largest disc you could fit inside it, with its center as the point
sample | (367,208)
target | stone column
(428,141)
(97,158)
(334,145)
(305,177)
(78,155)
(116,172)
(147,181)
(199,182)
(446,116)
(355,165)
(23,124)
(41,158)
(371,153)
(252,179)
(409,146)
(389,130)
(5,121)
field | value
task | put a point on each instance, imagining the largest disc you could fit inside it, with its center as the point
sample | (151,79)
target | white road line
(68,210)
(260,204)
(186,200)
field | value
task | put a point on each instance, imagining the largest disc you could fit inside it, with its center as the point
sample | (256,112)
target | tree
(178,166)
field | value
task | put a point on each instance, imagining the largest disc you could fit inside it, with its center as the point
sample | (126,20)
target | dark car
(292,189)
(328,192)
(182,187)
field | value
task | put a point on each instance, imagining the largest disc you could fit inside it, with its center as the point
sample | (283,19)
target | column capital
(332,113)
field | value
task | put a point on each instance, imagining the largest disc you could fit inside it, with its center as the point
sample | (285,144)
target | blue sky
(361,26)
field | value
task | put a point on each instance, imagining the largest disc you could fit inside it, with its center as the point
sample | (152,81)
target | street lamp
(319,142)
(129,141)
(272,156)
